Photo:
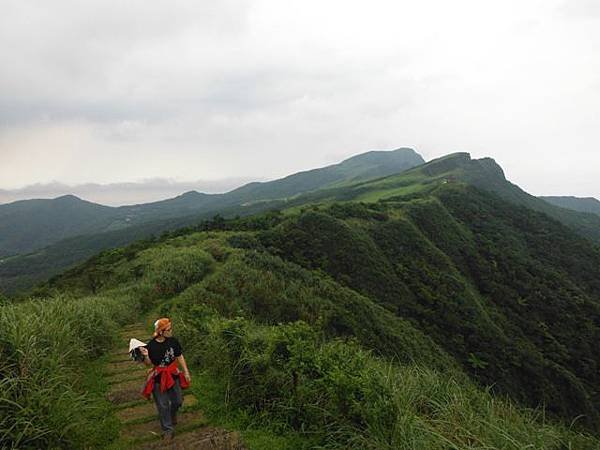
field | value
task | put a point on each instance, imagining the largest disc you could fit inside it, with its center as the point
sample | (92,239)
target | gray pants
(167,404)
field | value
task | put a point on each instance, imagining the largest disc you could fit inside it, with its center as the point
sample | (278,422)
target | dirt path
(139,419)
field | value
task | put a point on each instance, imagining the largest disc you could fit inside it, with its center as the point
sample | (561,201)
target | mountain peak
(68,198)
(402,154)
(192,194)
(447,163)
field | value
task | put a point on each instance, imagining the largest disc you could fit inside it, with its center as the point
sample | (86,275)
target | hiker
(165,380)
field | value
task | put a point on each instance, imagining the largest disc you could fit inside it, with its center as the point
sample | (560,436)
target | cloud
(111,91)
(580,9)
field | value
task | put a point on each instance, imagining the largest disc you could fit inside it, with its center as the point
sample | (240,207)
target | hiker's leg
(163,407)
(176,397)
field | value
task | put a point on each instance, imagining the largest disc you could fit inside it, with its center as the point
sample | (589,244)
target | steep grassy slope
(368,324)
(513,295)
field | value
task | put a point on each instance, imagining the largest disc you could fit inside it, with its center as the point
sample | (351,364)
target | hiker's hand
(144,351)
(188,377)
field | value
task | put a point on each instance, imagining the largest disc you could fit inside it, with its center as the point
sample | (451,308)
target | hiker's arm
(186,372)
(144,351)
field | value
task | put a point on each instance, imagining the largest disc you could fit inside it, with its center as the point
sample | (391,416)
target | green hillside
(371,325)
(412,311)
(32,224)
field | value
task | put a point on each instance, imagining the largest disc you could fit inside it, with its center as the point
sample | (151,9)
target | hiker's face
(168,332)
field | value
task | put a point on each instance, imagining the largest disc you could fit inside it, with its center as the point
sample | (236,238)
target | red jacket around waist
(166,379)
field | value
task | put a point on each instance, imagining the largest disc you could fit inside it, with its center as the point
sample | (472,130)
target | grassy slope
(447,281)
(499,288)
(502,323)
(510,293)
(283,347)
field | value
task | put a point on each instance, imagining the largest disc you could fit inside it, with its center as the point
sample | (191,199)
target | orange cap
(160,325)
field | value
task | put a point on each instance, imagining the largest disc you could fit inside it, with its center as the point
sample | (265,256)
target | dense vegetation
(441,316)
(377,319)
(508,292)
(296,350)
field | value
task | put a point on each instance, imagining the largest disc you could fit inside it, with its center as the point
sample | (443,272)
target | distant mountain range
(124,193)
(30,225)
(39,238)
(586,204)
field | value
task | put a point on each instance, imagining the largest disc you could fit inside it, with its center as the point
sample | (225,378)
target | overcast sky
(113,92)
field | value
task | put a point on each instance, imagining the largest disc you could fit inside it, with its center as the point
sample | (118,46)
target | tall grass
(43,345)
(342,396)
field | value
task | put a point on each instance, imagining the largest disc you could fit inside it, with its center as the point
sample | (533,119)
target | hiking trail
(139,419)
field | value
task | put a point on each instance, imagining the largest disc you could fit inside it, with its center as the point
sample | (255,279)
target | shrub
(170,270)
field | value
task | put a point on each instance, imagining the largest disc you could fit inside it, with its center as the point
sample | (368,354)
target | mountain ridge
(23,271)
(26,233)
(581,204)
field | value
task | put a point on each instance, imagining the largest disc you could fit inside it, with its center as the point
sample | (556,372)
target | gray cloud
(111,91)
(580,9)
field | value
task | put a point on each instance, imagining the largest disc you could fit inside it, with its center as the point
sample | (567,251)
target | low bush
(170,270)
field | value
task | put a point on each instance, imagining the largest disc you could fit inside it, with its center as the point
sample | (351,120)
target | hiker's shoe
(168,436)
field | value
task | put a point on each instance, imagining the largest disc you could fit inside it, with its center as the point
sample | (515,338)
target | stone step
(131,368)
(134,332)
(125,377)
(148,409)
(121,365)
(151,430)
(205,438)
(131,393)
(122,357)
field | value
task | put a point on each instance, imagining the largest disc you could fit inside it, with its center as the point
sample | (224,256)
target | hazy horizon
(144,191)
(120,194)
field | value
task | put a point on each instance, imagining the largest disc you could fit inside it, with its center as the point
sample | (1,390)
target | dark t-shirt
(163,353)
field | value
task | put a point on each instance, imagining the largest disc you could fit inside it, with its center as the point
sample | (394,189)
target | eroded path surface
(138,416)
